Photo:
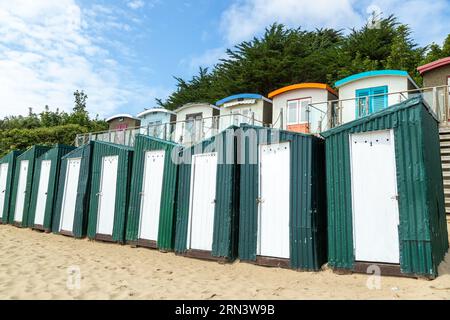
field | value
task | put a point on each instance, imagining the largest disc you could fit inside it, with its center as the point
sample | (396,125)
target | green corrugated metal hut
(110,190)
(152,209)
(45,183)
(385,192)
(7,167)
(74,189)
(282,219)
(23,185)
(208,199)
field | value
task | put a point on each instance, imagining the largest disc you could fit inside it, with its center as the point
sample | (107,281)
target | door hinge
(259,200)
(394,197)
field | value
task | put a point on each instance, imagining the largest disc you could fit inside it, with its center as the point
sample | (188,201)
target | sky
(125,53)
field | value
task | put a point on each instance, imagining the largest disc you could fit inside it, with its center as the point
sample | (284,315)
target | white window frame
(298,112)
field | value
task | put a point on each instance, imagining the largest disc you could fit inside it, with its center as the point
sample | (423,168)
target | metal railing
(185,132)
(322,116)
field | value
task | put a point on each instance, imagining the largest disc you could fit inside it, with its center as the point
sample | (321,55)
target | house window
(370,100)
(297,111)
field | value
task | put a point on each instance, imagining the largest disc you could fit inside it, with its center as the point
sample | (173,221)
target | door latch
(394,197)
(259,200)
(214,201)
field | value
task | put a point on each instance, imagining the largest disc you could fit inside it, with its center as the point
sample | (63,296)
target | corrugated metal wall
(100,150)
(31,154)
(54,155)
(10,159)
(167,220)
(227,199)
(307,198)
(422,231)
(83,193)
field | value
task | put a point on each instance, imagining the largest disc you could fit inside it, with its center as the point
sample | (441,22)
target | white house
(195,121)
(244,108)
(364,93)
(156,122)
(302,107)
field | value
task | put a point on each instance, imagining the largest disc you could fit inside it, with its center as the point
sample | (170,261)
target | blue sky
(124,53)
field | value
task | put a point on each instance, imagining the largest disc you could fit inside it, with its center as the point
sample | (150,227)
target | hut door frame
(274,200)
(202,201)
(3,181)
(152,185)
(374,206)
(41,200)
(21,190)
(107,195)
(69,202)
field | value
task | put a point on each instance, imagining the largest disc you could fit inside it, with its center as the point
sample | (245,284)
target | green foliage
(48,128)
(284,56)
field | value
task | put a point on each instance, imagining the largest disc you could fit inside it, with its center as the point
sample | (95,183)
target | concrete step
(445,166)
(445,144)
(444,137)
(445,151)
(445,159)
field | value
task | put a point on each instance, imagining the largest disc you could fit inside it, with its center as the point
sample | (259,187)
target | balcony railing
(185,132)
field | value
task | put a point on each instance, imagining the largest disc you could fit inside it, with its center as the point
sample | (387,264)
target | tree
(80,114)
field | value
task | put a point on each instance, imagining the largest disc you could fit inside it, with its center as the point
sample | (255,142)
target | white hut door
(274,200)
(70,194)
(107,195)
(42,192)
(151,194)
(3,178)
(374,190)
(21,189)
(203,201)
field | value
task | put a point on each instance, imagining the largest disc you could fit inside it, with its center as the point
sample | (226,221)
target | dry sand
(34,265)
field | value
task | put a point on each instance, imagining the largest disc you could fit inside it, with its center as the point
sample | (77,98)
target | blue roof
(369,74)
(239,96)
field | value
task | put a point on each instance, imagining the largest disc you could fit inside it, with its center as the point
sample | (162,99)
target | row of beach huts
(367,192)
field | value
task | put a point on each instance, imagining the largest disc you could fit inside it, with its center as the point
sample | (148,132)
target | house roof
(194,104)
(241,96)
(434,65)
(121,115)
(154,110)
(369,74)
(306,85)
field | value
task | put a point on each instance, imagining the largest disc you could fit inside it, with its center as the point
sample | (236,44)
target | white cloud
(136,4)
(47,52)
(246,18)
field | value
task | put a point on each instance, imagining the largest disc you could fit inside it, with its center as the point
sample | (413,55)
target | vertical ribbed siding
(83,192)
(10,159)
(54,155)
(307,199)
(422,231)
(31,155)
(167,219)
(100,150)
(227,195)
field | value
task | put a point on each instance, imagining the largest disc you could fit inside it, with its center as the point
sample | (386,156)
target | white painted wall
(207,112)
(348,91)
(257,108)
(317,95)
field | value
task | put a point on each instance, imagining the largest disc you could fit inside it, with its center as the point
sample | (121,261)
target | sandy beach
(34,265)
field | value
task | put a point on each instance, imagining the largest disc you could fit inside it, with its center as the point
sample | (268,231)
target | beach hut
(7,167)
(368,92)
(45,182)
(152,209)
(282,220)
(23,185)
(208,199)
(157,122)
(247,108)
(195,122)
(385,193)
(72,203)
(303,107)
(110,188)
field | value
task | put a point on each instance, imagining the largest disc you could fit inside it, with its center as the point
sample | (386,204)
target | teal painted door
(371,100)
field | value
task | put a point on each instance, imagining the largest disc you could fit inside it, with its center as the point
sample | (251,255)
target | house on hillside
(302,107)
